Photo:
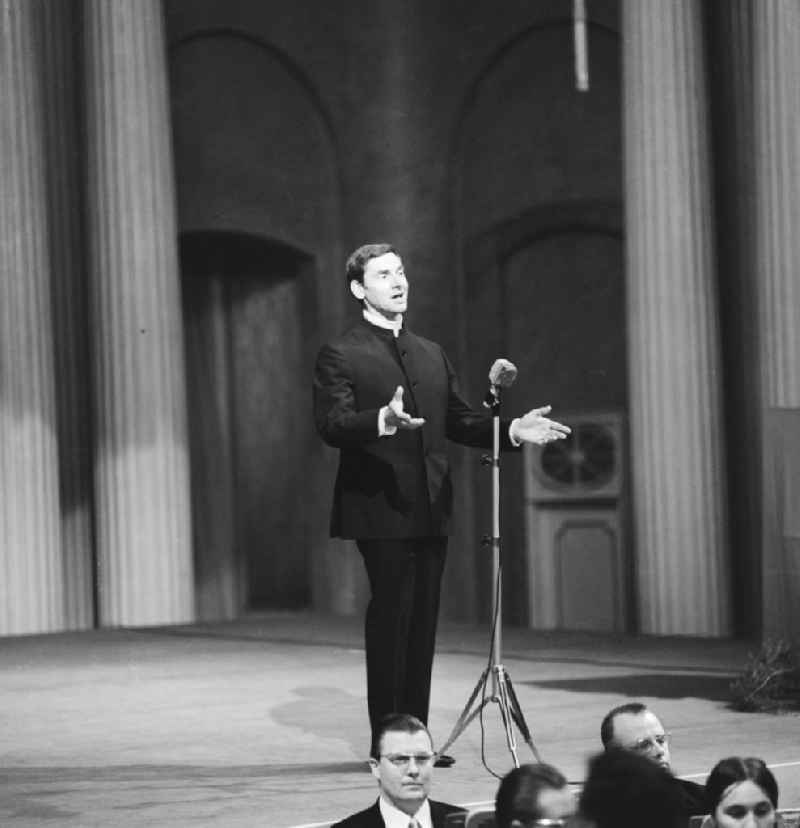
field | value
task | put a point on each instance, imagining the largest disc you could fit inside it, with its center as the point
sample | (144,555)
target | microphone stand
(502,690)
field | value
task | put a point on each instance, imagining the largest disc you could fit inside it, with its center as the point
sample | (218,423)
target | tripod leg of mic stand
(464,723)
(506,712)
(502,689)
(467,714)
(519,718)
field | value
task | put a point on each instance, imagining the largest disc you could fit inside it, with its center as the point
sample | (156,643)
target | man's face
(642,733)
(385,287)
(404,768)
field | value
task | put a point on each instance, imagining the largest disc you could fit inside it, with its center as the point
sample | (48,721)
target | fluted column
(141,468)
(776,33)
(731,38)
(676,424)
(62,130)
(777,97)
(30,553)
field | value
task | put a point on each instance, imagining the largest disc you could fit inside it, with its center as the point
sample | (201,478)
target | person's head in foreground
(627,790)
(742,793)
(634,727)
(401,759)
(533,795)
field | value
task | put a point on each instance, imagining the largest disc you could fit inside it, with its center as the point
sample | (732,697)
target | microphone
(501,375)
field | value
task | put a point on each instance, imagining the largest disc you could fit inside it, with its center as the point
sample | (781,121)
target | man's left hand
(534,427)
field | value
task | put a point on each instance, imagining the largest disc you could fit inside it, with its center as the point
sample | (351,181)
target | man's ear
(357,289)
(373,766)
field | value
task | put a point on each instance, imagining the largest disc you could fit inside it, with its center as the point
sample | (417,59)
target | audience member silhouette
(531,793)
(626,790)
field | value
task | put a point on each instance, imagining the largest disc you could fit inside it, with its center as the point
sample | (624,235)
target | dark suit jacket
(693,797)
(371,817)
(399,486)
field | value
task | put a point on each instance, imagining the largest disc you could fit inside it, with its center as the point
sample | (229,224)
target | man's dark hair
(395,722)
(626,790)
(358,259)
(737,769)
(518,794)
(607,726)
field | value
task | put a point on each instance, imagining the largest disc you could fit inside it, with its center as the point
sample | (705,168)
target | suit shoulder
(439,810)
(368,818)
(693,796)
(355,336)
(338,348)
(424,341)
(691,788)
(337,340)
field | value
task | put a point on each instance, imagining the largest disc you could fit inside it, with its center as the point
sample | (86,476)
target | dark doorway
(245,317)
(546,290)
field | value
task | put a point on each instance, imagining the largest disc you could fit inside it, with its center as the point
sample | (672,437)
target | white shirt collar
(395,818)
(381,321)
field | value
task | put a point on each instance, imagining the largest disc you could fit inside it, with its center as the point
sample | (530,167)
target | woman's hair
(518,794)
(735,769)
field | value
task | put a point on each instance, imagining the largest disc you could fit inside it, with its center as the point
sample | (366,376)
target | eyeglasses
(649,744)
(403,760)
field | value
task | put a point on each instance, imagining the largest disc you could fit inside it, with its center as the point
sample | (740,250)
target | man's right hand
(396,417)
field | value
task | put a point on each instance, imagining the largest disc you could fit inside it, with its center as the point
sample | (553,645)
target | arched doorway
(246,307)
(547,291)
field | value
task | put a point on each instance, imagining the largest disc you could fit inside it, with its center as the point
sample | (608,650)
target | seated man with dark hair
(532,793)
(635,728)
(626,790)
(401,760)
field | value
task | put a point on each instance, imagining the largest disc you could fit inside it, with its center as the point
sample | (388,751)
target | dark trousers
(400,627)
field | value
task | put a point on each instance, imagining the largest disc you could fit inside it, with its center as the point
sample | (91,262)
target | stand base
(511,713)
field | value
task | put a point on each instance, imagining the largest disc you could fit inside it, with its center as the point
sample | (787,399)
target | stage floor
(262,722)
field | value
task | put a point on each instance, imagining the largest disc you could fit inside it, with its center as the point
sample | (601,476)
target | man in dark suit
(388,399)
(635,728)
(401,759)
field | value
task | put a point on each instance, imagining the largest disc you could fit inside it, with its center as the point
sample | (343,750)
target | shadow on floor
(657,685)
(318,712)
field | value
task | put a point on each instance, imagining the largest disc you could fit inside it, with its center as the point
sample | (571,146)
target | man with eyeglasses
(635,728)
(401,760)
